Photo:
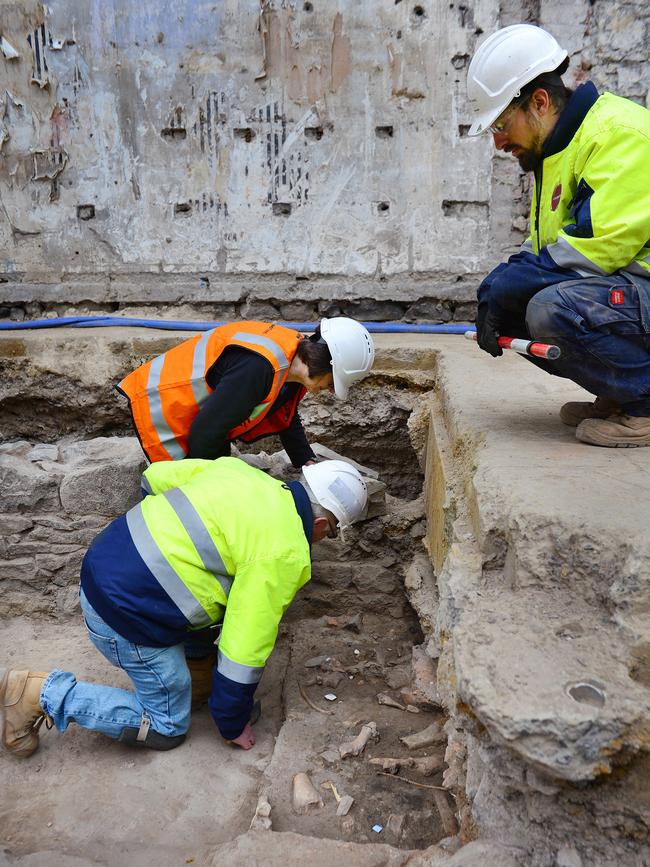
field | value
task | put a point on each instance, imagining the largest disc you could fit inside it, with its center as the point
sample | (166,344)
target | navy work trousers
(602,326)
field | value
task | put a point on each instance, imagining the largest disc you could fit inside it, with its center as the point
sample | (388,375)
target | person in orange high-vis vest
(242,381)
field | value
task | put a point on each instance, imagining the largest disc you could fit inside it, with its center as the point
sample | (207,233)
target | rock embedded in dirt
(316,661)
(305,797)
(330,756)
(398,676)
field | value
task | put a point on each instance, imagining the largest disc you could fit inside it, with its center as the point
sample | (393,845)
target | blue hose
(179,325)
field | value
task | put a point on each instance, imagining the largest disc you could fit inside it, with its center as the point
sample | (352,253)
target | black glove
(487,331)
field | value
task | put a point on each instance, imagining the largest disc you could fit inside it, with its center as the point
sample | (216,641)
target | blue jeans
(605,346)
(159,674)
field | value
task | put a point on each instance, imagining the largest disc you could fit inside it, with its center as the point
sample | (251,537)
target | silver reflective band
(197,381)
(201,538)
(146,485)
(237,672)
(166,437)
(162,571)
(276,351)
(638,269)
(566,256)
(143,731)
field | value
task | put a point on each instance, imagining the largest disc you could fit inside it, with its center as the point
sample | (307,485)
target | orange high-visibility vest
(166,393)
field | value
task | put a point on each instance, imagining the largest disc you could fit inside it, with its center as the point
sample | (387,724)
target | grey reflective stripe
(566,256)
(162,571)
(636,268)
(237,672)
(201,538)
(146,485)
(166,437)
(527,246)
(198,383)
(276,351)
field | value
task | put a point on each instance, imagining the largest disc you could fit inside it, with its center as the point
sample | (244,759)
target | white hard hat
(339,487)
(352,351)
(503,64)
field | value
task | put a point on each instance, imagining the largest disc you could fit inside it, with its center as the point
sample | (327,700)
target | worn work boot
(575,411)
(201,674)
(22,714)
(617,431)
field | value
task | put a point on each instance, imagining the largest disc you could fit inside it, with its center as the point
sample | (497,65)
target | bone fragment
(447,816)
(384,698)
(357,746)
(433,734)
(262,819)
(426,765)
(344,805)
(305,795)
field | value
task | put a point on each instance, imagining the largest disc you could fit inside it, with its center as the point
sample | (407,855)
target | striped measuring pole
(524,347)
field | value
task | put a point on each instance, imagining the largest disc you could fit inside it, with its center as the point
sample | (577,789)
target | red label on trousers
(616,296)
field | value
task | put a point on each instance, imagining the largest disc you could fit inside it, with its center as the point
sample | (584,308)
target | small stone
(567,856)
(330,756)
(316,661)
(398,676)
(345,805)
(305,797)
(411,708)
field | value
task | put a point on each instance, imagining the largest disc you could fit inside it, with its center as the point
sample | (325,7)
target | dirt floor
(84,799)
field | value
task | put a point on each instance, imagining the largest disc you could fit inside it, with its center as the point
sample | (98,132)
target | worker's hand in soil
(246,739)
(487,332)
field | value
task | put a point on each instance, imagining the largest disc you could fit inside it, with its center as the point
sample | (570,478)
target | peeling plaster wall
(212,144)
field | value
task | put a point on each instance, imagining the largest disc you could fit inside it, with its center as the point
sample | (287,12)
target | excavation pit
(484,586)
(69,464)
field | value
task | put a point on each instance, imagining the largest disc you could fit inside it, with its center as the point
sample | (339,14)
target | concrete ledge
(545,638)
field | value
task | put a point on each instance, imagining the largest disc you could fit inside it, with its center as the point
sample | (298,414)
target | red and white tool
(524,347)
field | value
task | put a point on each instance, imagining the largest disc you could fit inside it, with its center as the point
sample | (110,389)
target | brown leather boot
(22,714)
(575,411)
(201,673)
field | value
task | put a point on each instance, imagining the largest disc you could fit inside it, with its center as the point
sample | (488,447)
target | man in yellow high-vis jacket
(582,278)
(213,542)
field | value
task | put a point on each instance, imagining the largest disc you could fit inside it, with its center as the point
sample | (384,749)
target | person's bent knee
(546,314)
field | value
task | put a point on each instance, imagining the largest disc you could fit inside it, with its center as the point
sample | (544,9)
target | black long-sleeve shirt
(241,380)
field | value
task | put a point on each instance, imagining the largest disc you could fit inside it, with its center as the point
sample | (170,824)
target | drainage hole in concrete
(587,693)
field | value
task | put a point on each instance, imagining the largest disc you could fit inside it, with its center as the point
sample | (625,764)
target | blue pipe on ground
(180,325)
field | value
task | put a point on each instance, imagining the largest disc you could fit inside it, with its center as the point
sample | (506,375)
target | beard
(530,158)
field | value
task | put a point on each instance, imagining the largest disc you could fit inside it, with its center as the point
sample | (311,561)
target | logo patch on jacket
(555,198)
(616,296)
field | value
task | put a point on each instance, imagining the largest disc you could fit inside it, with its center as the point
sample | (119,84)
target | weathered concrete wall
(172,154)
